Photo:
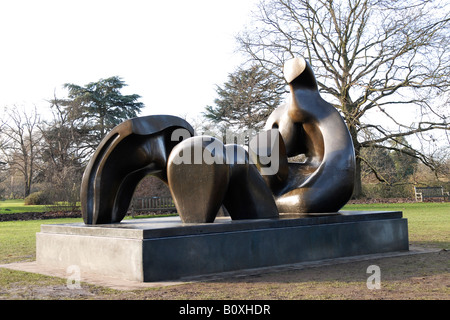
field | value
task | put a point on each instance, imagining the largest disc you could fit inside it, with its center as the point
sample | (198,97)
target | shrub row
(38,198)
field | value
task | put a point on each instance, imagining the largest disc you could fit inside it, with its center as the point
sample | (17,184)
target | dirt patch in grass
(423,276)
(419,276)
(38,215)
(66,214)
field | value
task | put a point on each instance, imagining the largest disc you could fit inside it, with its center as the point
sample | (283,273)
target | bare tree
(63,153)
(371,58)
(20,144)
(3,163)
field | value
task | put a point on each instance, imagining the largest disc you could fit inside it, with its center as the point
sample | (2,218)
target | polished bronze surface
(309,125)
(198,188)
(248,196)
(132,150)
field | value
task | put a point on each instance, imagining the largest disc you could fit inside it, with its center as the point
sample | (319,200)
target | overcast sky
(172,53)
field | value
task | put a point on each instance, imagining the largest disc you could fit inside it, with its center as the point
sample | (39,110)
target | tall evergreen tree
(246,99)
(101,104)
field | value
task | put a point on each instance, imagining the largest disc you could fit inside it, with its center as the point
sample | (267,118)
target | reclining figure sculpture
(203,174)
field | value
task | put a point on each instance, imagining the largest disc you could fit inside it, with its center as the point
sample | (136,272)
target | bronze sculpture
(203,174)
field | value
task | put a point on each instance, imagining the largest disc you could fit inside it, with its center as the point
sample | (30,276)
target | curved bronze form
(132,150)
(198,188)
(204,174)
(311,126)
(248,196)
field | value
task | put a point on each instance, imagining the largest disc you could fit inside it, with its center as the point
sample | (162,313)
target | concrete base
(166,249)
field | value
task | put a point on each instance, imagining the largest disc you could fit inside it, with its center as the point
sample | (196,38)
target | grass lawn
(428,225)
(424,276)
(18,206)
(18,238)
(428,222)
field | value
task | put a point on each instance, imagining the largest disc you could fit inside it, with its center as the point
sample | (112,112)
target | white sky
(172,53)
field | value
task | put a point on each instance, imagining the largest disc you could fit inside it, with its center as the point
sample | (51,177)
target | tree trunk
(26,183)
(357,189)
(27,190)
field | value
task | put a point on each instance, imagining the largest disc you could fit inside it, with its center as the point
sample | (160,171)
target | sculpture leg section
(248,196)
(198,178)
(203,174)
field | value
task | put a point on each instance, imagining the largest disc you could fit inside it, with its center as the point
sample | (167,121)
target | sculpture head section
(297,71)
(290,117)
(304,102)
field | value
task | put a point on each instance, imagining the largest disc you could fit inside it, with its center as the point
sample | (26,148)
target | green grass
(18,206)
(428,225)
(10,278)
(18,238)
(428,222)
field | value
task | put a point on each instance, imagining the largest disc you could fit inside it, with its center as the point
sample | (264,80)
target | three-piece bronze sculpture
(203,174)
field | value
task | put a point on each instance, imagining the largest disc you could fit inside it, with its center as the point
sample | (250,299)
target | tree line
(384,65)
(371,58)
(52,153)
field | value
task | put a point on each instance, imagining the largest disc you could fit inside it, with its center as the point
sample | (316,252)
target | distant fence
(421,193)
(149,204)
(63,207)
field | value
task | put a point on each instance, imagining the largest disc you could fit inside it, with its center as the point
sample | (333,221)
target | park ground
(424,276)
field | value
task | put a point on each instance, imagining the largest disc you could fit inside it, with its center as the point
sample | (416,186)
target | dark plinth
(166,249)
